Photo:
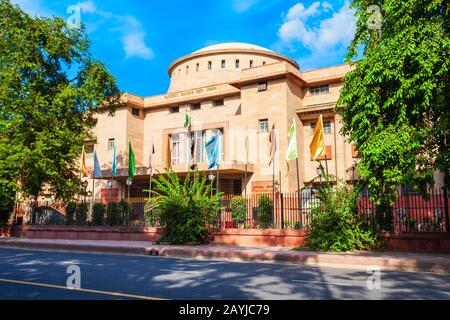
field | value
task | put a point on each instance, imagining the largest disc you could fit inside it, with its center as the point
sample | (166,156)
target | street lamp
(211,178)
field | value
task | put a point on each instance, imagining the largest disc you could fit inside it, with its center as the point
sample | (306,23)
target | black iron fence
(411,212)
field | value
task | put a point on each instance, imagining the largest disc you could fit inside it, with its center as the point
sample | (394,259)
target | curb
(362,262)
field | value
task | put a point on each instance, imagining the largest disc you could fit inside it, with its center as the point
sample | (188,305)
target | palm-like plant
(186,210)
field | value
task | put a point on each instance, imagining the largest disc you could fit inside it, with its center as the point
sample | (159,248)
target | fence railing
(410,213)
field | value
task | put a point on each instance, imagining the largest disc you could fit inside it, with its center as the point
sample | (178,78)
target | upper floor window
(218,103)
(264,63)
(209,65)
(195,106)
(197,67)
(174,109)
(223,64)
(251,63)
(111,143)
(263,125)
(135,112)
(262,86)
(319,90)
(237,63)
(187,69)
(89,151)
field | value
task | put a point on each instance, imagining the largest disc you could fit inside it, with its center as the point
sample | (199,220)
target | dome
(233,46)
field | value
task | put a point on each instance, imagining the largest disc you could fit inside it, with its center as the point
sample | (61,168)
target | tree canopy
(50,91)
(395,103)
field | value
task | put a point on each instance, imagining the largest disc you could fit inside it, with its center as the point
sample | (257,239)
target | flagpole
(245,181)
(326,162)
(298,193)
(93,193)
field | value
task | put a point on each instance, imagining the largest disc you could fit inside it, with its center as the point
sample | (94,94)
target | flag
(187,121)
(291,152)
(212,148)
(83,163)
(131,162)
(317,145)
(97,169)
(114,164)
(152,152)
(272,144)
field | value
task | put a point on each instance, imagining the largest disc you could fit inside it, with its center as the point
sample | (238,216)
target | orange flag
(317,145)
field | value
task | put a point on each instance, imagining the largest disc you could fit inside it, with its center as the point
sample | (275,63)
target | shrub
(6,208)
(71,213)
(151,213)
(238,209)
(265,212)
(125,212)
(185,209)
(335,223)
(113,214)
(82,213)
(98,214)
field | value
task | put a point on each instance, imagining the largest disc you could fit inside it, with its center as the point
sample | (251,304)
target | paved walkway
(412,262)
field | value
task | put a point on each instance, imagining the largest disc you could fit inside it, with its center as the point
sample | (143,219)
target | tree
(51,88)
(395,103)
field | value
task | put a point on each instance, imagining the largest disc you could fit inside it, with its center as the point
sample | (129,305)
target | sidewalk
(411,262)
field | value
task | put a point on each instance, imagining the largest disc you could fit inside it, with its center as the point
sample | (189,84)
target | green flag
(131,163)
(187,121)
(291,152)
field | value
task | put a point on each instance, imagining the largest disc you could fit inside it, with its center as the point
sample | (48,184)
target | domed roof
(233,46)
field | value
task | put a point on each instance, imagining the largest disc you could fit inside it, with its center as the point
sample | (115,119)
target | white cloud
(321,35)
(134,46)
(87,7)
(243,5)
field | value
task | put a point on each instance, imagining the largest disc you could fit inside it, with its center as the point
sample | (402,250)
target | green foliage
(265,212)
(45,116)
(238,209)
(98,215)
(335,224)
(6,208)
(151,213)
(71,213)
(126,212)
(185,209)
(113,213)
(395,103)
(82,213)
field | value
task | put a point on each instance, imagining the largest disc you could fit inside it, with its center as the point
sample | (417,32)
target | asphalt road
(32,274)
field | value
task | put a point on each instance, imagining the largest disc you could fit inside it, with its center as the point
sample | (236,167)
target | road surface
(35,274)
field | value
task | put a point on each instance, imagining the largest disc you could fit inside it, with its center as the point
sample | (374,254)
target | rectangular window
(187,69)
(314,91)
(89,151)
(218,103)
(251,63)
(327,127)
(175,149)
(263,125)
(195,106)
(174,109)
(237,63)
(135,112)
(209,65)
(111,143)
(223,64)
(262,86)
(197,67)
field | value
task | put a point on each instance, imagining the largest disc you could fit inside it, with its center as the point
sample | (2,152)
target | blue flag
(97,169)
(213,150)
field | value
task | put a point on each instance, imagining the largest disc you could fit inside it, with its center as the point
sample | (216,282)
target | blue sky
(138,39)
